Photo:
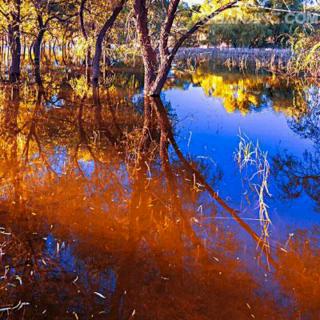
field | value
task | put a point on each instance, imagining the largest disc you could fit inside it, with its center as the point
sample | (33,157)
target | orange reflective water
(101,218)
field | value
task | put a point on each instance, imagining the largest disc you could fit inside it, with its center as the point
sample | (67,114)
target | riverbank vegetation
(93,34)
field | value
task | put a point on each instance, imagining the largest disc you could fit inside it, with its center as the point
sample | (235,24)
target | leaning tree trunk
(98,48)
(37,56)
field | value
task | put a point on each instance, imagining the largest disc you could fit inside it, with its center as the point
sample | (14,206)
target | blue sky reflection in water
(207,131)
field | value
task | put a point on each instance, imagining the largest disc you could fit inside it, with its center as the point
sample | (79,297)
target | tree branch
(81,17)
(142,24)
(166,29)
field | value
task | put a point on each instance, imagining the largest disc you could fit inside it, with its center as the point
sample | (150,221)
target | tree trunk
(149,55)
(161,78)
(157,64)
(37,56)
(15,43)
(97,58)
(98,48)
(15,50)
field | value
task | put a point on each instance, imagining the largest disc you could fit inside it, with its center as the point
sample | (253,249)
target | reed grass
(251,158)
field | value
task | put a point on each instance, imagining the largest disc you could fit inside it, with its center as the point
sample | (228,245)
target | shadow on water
(104,216)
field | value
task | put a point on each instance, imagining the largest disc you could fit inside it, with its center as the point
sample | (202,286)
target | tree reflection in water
(298,176)
(99,211)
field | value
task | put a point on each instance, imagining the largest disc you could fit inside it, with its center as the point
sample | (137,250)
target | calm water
(202,205)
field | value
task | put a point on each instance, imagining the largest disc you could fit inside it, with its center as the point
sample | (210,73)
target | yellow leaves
(237,94)
(84,155)
(80,86)
(239,13)
(242,93)
(306,48)
(81,47)
(309,56)
(208,7)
